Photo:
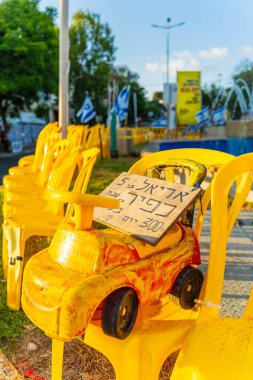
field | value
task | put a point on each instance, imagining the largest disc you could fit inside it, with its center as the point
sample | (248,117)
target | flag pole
(64,68)
(113,122)
(135,110)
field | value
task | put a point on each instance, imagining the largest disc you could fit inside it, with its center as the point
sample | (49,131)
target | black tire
(187,287)
(119,313)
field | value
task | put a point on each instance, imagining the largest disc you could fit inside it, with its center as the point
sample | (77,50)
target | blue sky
(217,35)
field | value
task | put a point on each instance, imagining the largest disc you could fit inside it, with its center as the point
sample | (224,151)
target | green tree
(91,55)
(244,70)
(157,96)
(28,54)
(157,105)
(209,94)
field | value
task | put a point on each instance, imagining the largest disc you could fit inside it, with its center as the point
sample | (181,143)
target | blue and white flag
(219,116)
(87,111)
(121,103)
(203,116)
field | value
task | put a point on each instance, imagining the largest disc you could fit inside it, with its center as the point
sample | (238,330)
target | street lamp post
(167,86)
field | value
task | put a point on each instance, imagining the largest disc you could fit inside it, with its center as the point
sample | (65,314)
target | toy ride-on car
(87,270)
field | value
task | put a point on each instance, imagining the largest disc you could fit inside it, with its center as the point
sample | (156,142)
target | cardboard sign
(148,206)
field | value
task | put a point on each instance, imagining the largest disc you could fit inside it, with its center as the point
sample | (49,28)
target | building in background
(24,130)
(123,70)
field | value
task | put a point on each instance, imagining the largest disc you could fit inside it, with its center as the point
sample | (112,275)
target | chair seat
(36,220)
(223,347)
(22,181)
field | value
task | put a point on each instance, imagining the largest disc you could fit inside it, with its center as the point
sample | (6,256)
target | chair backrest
(49,131)
(62,175)
(207,157)
(85,135)
(105,133)
(222,220)
(88,158)
(93,137)
(48,158)
(59,163)
(75,135)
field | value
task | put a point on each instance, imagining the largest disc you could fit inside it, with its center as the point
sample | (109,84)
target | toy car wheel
(187,287)
(119,313)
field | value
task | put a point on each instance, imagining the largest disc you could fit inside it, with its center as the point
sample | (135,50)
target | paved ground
(239,263)
(8,160)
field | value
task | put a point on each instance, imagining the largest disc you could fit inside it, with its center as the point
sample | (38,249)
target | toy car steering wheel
(84,205)
(89,200)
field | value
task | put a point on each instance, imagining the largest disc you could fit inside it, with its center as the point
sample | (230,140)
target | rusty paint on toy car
(65,284)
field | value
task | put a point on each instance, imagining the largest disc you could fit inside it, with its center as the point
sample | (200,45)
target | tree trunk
(5,143)
(3,113)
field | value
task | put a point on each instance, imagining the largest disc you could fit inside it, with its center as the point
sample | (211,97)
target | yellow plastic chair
(60,181)
(25,199)
(32,162)
(220,348)
(17,187)
(207,157)
(53,150)
(20,227)
(56,181)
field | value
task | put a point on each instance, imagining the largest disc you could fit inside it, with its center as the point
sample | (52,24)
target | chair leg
(5,255)
(57,359)
(15,266)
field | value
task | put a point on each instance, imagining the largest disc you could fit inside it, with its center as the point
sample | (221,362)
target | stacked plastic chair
(33,184)
(27,209)
(44,217)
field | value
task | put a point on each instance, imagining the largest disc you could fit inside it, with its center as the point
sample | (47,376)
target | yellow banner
(188,96)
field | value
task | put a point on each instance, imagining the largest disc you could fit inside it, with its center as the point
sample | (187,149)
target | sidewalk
(8,160)
(239,263)
(10,154)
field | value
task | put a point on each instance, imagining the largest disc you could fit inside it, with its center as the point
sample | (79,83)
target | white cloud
(246,51)
(184,54)
(222,52)
(181,64)
(209,62)
(174,65)
(153,67)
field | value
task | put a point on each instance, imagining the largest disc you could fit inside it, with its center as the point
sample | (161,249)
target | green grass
(11,322)
(105,171)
